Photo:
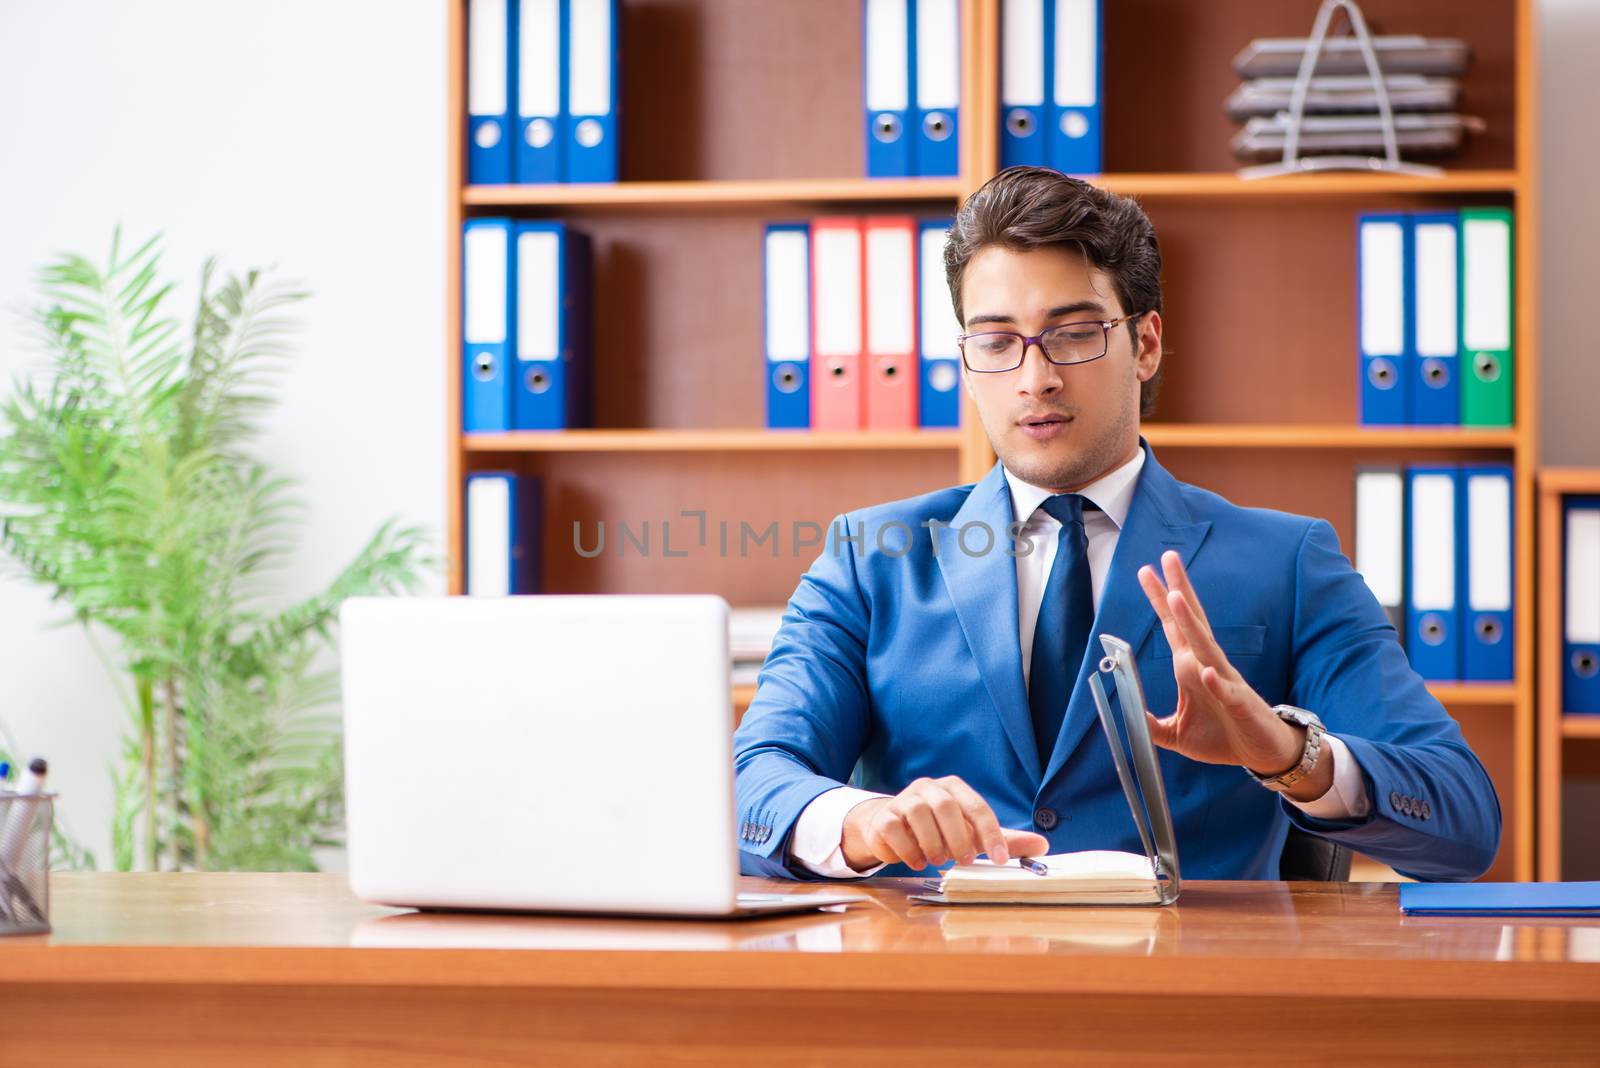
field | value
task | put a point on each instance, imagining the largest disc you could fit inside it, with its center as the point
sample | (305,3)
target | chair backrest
(1310,858)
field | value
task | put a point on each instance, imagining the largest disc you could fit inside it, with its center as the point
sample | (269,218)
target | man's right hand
(929,822)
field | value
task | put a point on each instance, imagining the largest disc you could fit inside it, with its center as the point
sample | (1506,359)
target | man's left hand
(1219,718)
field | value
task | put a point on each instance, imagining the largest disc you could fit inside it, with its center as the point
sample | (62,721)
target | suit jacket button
(1427,811)
(1045,818)
(1394,799)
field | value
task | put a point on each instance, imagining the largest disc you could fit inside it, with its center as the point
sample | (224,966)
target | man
(937,645)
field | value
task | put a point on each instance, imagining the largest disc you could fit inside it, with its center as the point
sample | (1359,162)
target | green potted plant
(127,486)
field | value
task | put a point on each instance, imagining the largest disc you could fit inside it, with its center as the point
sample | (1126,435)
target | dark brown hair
(1025,208)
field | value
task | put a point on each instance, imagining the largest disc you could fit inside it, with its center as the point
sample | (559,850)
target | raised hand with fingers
(1219,718)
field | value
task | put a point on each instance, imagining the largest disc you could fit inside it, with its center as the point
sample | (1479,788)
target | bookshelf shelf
(1229,186)
(1162,435)
(1468,694)
(784,192)
(1580,726)
(720,441)
(1327,436)
(717,194)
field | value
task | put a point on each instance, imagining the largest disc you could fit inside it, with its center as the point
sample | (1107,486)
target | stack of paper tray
(1341,114)
(1344,94)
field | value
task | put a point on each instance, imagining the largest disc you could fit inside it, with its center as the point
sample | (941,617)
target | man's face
(1058,427)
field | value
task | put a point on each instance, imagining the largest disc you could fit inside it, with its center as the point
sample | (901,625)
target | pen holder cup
(25,823)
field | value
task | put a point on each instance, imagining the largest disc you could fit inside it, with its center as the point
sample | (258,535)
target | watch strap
(1309,756)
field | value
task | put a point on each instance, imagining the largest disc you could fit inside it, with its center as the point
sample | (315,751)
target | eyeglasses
(994,351)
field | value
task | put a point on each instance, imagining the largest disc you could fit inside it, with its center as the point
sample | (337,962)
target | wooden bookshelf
(1564,740)
(1259,289)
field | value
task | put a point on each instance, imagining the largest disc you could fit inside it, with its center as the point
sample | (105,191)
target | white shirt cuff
(1347,798)
(818,842)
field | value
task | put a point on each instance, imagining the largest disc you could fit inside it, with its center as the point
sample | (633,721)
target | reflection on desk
(807,932)
(1034,930)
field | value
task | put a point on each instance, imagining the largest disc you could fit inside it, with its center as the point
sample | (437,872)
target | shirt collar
(1111,492)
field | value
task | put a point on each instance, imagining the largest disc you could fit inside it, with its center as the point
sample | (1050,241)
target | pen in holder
(25,822)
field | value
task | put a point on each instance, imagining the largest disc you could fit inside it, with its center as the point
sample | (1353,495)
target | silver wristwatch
(1308,759)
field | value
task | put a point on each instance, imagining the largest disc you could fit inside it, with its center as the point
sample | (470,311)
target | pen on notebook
(1032,865)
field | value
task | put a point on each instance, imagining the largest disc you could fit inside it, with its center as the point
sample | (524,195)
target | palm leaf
(127,489)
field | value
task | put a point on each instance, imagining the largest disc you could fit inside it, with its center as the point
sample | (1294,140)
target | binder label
(538,78)
(1076,63)
(1433,551)
(1486,304)
(486,285)
(1489,551)
(938,55)
(1383,319)
(591,60)
(1583,577)
(538,295)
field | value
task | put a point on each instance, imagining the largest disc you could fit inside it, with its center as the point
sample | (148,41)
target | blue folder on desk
(1500,899)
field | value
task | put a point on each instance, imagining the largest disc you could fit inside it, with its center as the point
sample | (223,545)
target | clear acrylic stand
(1292,162)
(25,821)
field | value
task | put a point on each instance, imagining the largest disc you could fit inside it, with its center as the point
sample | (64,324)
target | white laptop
(552,753)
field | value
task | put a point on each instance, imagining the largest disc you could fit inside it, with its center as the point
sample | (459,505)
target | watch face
(1298,716)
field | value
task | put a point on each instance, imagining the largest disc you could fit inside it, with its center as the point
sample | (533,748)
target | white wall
(306,134)
(1569,159)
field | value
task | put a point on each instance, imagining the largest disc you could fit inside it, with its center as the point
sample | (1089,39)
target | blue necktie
(1066,616)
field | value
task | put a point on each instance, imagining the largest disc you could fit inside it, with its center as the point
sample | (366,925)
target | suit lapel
(1158,520)
(983,588)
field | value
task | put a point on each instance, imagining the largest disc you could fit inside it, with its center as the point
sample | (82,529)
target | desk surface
(1222,938)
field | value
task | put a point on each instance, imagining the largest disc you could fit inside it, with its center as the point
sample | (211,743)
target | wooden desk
(241,970)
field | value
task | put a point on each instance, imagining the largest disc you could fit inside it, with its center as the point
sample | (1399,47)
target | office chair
(1308,858)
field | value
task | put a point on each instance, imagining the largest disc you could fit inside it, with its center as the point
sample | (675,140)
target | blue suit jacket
(899,658)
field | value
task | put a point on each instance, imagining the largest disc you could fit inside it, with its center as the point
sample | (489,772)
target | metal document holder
(25,822)
(1141,784)
(1293,162)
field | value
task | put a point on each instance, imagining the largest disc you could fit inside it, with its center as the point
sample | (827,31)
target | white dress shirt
(819,831)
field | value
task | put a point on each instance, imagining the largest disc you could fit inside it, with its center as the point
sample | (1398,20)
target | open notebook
(1095,876)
